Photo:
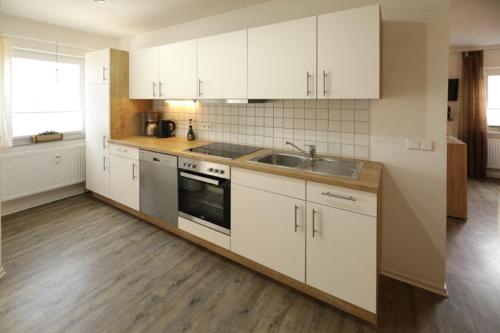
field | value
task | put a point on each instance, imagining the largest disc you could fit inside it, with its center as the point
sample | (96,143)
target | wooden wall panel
(125,119)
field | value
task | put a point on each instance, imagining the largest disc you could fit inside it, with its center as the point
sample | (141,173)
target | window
(46,94)
(492,78)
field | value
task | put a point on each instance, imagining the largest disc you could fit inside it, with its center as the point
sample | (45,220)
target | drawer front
(124,151)
(343,198)
(205,233)
(291,187)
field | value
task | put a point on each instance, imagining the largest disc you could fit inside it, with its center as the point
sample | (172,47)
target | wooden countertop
(369,179)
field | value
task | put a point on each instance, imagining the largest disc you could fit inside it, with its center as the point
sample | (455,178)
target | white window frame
(487,72)
(43,55)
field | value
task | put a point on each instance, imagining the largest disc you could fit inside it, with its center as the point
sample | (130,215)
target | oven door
(205,200)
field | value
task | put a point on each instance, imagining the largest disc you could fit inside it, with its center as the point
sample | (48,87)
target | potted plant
(47,136)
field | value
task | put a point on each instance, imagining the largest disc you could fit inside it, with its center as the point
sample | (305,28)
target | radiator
(35,170)
(493,153)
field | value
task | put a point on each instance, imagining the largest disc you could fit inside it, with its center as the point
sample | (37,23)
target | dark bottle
(190,133)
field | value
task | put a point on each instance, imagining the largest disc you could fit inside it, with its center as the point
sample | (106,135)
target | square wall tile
(338,127)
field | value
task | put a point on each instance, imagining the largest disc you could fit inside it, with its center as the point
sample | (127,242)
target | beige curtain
(5,93)
(473,126)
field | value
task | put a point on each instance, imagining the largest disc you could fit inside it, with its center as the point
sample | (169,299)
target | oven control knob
(188,165)
(216,170)
(210,169)
(184,164)
(221,171)
(193,166)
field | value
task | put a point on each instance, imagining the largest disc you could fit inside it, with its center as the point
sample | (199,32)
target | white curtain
(5,92)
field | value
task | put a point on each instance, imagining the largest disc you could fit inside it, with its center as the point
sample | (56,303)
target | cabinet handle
(104,163)
(199,87)
(324,82)
(104,74)
(154,89)
(345,197)
(133,171)
(296,207)
(308,76)
(103,141)
(159,88)
(314,222)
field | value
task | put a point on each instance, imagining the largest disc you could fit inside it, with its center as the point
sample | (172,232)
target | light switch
(427,145)
(413,144)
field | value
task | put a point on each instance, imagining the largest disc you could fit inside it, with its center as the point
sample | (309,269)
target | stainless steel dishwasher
(158,182)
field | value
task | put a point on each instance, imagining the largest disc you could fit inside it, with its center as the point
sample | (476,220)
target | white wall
(414,86)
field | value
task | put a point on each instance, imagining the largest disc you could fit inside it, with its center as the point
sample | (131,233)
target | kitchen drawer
(291,187)
(124,151)
(205,233)
(343,198)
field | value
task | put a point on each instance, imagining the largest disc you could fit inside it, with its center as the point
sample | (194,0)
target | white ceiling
(474,23)
(119,17)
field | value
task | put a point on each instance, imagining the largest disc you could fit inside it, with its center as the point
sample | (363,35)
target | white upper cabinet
(349,54)
(144,74)
(97,67)
(282,60)
(178,70)
(222,66)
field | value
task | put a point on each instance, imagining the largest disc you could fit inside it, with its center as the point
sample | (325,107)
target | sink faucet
(312,150)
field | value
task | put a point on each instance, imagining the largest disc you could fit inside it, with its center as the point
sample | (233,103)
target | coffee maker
(149,123)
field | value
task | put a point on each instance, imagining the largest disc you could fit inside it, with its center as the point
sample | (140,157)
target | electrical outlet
(206,126)
(413,144)
(427,145)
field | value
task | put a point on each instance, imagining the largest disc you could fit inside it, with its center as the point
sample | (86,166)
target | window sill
(26,140)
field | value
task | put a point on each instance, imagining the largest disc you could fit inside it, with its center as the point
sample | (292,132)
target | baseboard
(2,272)
(440,290)
(17,205)
(493,173)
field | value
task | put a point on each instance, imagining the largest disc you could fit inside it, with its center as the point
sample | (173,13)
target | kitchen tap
(312,150)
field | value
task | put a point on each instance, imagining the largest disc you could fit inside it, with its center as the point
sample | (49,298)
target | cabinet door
(96,137)
(282,60)
(124,181)
(178,70)
(222,66)
(144,73)
(349,54)
(97,66)
(269,229)
(342,254)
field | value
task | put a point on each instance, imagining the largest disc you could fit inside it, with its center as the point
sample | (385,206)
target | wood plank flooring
(79,265)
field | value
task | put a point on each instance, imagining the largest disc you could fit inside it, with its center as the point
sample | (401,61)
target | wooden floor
(81,266)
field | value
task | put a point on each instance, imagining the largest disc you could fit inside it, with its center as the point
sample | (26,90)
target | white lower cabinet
(124,178)
(269,229)
(330,245)
(342,254)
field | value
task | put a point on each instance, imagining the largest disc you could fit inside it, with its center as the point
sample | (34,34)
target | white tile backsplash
(338,127)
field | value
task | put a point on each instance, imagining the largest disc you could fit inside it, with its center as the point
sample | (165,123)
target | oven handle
(200,178)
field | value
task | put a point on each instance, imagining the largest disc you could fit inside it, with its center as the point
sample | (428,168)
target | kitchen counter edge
(369,179)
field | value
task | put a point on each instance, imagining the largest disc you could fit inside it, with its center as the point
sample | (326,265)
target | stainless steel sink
(282,159)
(326,166)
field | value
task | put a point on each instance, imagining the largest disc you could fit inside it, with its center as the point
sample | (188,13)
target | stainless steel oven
(205,193)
